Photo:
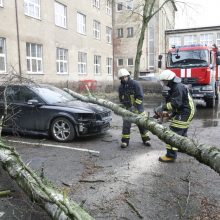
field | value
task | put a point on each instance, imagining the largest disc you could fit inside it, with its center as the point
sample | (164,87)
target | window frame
(218,39)
(121,7)
(120,32)
(120,59)
(2,3)
(130,32)
(131,58)
(4,56)
(97,65)
(108,35)
(81,29)
(36,6)
(82,64)
(35,58)
(208,39)
(60,19)
(62,52)
(96,4)
(109,7)
(129,5)
(96,29)
(109,65)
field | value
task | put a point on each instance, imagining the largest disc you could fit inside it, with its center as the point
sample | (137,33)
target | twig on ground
(91,181)
(134,209)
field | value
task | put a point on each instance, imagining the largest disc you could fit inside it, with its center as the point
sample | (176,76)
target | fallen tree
(55,203)
(206,154)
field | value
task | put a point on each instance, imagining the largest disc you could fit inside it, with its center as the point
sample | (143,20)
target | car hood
(80,106)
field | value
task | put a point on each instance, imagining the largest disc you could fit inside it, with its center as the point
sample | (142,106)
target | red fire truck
(198,67)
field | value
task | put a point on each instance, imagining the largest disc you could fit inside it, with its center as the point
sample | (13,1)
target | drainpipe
(18,38)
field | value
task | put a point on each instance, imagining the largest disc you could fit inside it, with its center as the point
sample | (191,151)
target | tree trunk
(206,154)
(53,202)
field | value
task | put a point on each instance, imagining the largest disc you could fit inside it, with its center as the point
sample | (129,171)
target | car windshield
(53,95)
(196,58)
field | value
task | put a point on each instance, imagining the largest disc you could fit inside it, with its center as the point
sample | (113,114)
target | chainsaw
(162,117)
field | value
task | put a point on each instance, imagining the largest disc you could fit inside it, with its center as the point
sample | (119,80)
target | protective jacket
(131,94)
(180,102)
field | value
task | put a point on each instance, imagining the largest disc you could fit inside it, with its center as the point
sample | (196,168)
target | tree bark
(206,154)
(53,202)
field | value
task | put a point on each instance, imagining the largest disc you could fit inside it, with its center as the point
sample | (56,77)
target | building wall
(44,31)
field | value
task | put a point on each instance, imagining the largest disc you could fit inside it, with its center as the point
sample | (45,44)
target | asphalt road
(114,183)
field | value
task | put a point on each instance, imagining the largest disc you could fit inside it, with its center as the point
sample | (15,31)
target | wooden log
(52,201)
(206,154)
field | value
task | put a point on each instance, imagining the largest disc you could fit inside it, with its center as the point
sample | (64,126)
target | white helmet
(123,72)
(167,75)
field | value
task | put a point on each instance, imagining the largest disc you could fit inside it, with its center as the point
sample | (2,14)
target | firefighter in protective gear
(180,103)
(131,98)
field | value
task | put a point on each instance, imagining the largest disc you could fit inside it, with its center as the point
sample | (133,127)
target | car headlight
(85,116)
(207,88)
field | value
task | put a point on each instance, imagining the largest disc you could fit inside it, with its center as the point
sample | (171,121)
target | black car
(48,110)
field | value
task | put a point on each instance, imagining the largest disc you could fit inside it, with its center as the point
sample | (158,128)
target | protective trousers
(126,132)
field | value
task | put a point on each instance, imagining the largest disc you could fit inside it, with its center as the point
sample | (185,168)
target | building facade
(53,41)
(127,21)
(60,41)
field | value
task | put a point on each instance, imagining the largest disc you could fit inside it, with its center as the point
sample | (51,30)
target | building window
(1,3)
(120,62)
(62,60)
(32,8)
(97,65)
(60,15)
(81,23)
(96,3)
(82,62)
(109,35)
(119,6)
(109,7)
(130,31)
(2,55)
(174,41)
(129,4)
(206,39)
(218,40)
(190,39)
(34,58)
(109,65)
(130,62)
(96,29)
(120,32)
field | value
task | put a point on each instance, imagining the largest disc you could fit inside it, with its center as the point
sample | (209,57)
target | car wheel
(62,130)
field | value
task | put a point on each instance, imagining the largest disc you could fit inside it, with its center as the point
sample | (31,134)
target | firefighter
(180,103)
(131,97)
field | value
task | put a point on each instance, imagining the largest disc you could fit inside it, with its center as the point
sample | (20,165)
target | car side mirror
(34,102)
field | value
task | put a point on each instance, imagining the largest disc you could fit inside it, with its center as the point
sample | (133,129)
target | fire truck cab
(198,67)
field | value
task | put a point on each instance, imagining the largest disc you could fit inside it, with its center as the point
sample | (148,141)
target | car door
(21,116)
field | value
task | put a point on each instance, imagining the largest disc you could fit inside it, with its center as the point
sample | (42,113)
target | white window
(218,40)
(109,7)
(32,8)
(130,31)
(62,60)
(2,55)
(119,6)
(1,3)
(174,41)
(120,62)
(60,15)
(96,3)
(96,29)
(109,35)
(34,58)
(206,39)
(120,32)
(97,65)
(109,65)
(129,4)
(130,62)
(190,39)
(81,23)
(82,62)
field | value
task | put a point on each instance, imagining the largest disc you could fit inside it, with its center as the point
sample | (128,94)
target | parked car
(149,77)
(48,110)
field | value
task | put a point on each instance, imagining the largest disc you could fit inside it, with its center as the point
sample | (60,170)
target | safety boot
(124,145)
(167,159)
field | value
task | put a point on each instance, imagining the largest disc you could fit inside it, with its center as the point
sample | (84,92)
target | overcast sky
(198,13)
